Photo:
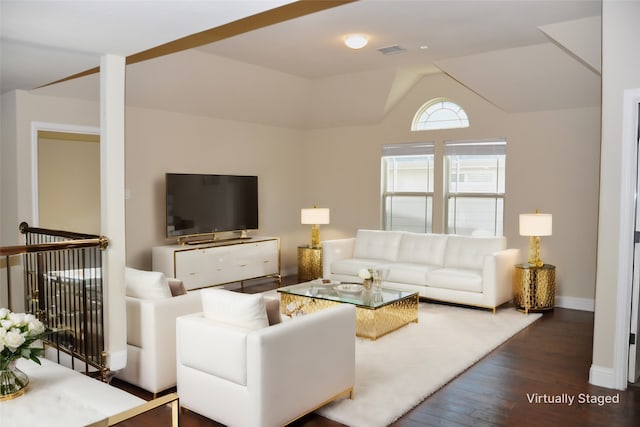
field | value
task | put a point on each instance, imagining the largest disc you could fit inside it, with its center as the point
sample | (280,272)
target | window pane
(440,114)
(476,174)
(408,213)
(409,174)
(475,215)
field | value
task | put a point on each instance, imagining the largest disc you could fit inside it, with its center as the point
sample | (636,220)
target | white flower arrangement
(365,274)
(18,331)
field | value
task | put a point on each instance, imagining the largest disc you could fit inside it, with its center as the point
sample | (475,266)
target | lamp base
(534,252)
(315,236)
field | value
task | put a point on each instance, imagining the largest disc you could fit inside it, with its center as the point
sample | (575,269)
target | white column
(112,111)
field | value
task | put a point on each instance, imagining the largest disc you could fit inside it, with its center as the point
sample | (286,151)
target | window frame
(481,148)
(462,118)
(407,150)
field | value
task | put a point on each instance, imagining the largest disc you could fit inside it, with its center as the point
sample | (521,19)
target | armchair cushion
(146,284)
(247,311)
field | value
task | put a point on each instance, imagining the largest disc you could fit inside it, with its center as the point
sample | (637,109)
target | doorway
(66,178)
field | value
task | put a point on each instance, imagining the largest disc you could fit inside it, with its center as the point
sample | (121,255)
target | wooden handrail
(24,229)
(101,241)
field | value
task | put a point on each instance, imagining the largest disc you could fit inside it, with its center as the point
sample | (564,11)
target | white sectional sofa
(476,271)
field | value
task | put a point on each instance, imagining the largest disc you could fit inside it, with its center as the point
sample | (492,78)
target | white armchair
(268,376)
(151,329)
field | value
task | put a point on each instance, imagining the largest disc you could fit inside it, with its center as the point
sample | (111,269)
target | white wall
(20,110)
(552,165)
(620,71)
(160,142)
(64,201)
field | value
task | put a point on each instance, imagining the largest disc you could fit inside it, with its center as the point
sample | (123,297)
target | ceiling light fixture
(356,41)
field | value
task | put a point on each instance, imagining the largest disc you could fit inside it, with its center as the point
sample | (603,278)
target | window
(407,187)
(474,187)
(440,113)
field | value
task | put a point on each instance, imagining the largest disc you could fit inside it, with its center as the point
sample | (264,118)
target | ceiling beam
(243,25)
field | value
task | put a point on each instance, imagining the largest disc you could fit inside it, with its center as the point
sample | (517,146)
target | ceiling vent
(391,50)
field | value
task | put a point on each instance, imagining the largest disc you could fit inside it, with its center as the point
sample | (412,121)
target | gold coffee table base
(371,323)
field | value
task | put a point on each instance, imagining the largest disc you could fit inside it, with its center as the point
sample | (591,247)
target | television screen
(199,204)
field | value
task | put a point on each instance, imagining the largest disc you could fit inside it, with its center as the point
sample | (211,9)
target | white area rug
(396,372)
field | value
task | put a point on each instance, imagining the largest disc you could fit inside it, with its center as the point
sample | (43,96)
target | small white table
(59,396)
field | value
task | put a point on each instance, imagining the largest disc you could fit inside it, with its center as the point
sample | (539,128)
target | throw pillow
(176,287)
(273,310)
(245,310)
(146,284)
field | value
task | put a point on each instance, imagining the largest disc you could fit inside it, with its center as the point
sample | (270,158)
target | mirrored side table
(309,263)
(534,288)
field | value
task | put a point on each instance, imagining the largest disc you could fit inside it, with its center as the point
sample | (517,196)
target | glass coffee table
(377,312)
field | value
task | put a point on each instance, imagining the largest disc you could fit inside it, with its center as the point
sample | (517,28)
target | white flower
(13,339)
(364,274)
(18,332)
(17,318)
(35,327)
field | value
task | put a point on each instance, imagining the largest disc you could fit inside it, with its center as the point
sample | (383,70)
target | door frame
(629,170)
(53,127)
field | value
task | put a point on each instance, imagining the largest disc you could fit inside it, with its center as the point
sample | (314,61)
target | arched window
(440,113)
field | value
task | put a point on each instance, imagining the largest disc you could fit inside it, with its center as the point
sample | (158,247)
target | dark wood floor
(549,358)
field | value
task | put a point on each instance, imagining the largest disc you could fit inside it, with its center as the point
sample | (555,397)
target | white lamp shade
(536,224)
(314,216)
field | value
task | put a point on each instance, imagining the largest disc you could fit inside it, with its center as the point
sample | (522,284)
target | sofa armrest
(497,276)
(284,360)
(333,250)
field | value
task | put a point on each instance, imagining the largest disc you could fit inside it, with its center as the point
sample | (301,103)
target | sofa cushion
(247,311)
(422,248)
(459,279)
(410,274)
(146,284)
(376,244)
(469,252)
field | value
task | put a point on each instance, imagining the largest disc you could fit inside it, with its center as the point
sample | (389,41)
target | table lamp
(315,216)
(535,225)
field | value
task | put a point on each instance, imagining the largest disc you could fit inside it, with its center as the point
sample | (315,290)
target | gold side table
(309,263)
(534,288)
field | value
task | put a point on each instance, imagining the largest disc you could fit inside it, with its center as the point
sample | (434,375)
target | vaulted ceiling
(269,59)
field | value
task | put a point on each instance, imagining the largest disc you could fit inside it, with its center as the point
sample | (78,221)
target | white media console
(218,263)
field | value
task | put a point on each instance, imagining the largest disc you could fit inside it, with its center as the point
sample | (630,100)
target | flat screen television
(206,204)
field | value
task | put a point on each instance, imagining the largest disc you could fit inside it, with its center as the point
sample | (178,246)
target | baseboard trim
(602,377)
(583,304)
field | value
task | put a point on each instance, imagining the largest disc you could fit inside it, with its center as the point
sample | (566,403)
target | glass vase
(13,382)
(377,280)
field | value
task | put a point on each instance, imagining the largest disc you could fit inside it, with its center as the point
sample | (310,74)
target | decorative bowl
(349,288)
